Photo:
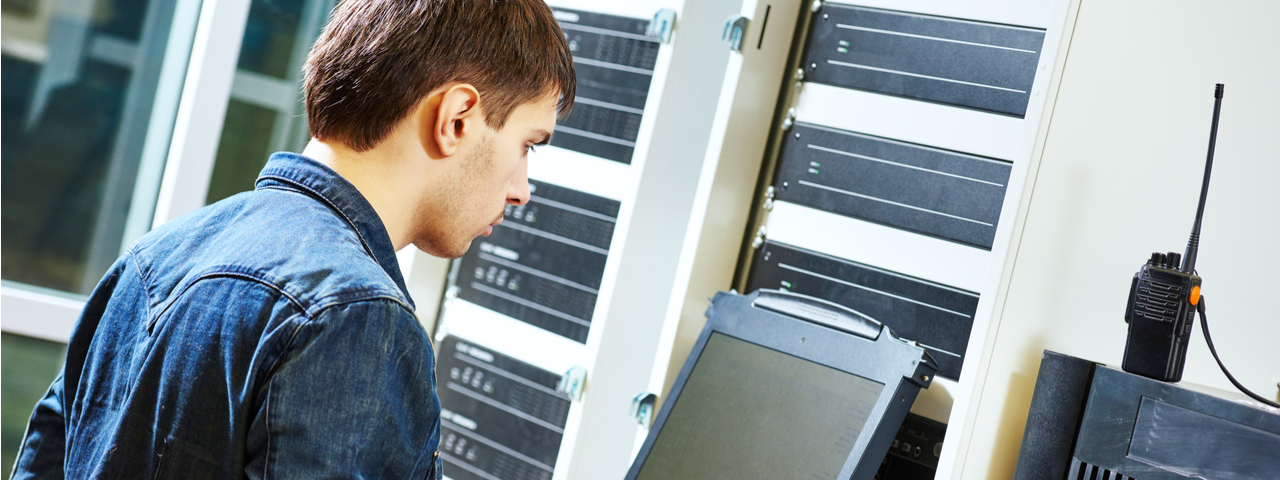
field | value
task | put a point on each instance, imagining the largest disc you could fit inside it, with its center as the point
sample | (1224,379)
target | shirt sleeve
(44,446)
(354,397)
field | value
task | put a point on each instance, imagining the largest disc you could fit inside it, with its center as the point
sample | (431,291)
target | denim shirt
(266,336)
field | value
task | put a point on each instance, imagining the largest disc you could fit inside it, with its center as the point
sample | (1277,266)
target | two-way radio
(1164,299)
(1164,294)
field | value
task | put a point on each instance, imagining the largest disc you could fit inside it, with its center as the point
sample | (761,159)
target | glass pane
(269,37)
(243,149)
(265,113)
(27,367)
(79,87)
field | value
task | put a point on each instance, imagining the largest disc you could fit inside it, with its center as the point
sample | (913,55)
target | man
(270,335)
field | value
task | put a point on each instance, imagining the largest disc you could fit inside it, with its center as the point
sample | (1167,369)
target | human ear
(457,117)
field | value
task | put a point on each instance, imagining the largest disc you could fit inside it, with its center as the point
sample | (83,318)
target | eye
(530,149)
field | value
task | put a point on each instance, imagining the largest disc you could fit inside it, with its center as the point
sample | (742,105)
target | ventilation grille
(1084,471)
(1158,300)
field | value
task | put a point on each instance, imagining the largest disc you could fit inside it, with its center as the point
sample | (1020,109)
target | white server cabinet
(896,172)
(550,327)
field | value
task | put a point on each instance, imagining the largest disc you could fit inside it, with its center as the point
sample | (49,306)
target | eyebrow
(546,137)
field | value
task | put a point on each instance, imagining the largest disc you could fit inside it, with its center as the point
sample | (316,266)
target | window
(112,124)
(265,113)
(87,88)
(89,93)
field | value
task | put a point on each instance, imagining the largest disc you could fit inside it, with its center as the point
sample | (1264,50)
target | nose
(518,189)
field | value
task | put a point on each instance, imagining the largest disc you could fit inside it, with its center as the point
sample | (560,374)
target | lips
(488,230)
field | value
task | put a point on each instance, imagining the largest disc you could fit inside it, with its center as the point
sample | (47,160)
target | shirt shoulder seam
(319,308)
(225,274)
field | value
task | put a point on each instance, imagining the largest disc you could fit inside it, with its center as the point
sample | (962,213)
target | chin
(445,251)
(461,251)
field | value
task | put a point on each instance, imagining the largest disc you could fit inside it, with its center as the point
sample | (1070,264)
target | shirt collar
(298,172)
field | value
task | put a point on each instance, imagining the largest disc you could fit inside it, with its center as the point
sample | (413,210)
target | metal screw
(817,5)
(760,236)
(799,74)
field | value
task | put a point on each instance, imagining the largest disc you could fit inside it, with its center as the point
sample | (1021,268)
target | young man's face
(491,173)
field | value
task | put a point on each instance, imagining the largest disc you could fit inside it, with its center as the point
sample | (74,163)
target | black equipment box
(1090,421)
(544,263)
(923,57)
(500,417)
(614,61)
(938,317)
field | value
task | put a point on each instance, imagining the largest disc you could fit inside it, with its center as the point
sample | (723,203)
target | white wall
(1119,178)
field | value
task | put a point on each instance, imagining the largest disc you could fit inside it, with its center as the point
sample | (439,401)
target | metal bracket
(660,27)
(760,236)
(789,121)
(642,408)
(735,31)
(572,382)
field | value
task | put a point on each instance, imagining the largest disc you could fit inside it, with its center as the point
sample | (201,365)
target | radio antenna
(1193,245)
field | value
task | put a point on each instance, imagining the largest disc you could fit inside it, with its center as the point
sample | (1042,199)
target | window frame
(214,30)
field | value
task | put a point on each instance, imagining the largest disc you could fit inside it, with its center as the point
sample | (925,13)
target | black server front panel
(614,62)
(940,193)
(982,66)
(544,263)
(937,316)
(501,418)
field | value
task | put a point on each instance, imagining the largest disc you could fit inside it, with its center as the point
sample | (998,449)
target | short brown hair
(378,58)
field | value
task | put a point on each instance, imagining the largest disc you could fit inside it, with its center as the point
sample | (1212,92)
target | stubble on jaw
(444,230)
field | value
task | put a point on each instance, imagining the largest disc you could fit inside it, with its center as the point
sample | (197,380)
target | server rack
(898,194)
(569,297)
(902,144)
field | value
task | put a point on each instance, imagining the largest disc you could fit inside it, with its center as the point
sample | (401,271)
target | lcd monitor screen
(747,412)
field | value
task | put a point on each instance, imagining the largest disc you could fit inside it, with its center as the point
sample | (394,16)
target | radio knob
(1157,259)
(1175,260)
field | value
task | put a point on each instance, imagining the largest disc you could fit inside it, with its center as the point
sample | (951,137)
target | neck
(383,177)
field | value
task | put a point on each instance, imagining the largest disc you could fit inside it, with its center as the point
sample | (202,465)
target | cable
(1204,327)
